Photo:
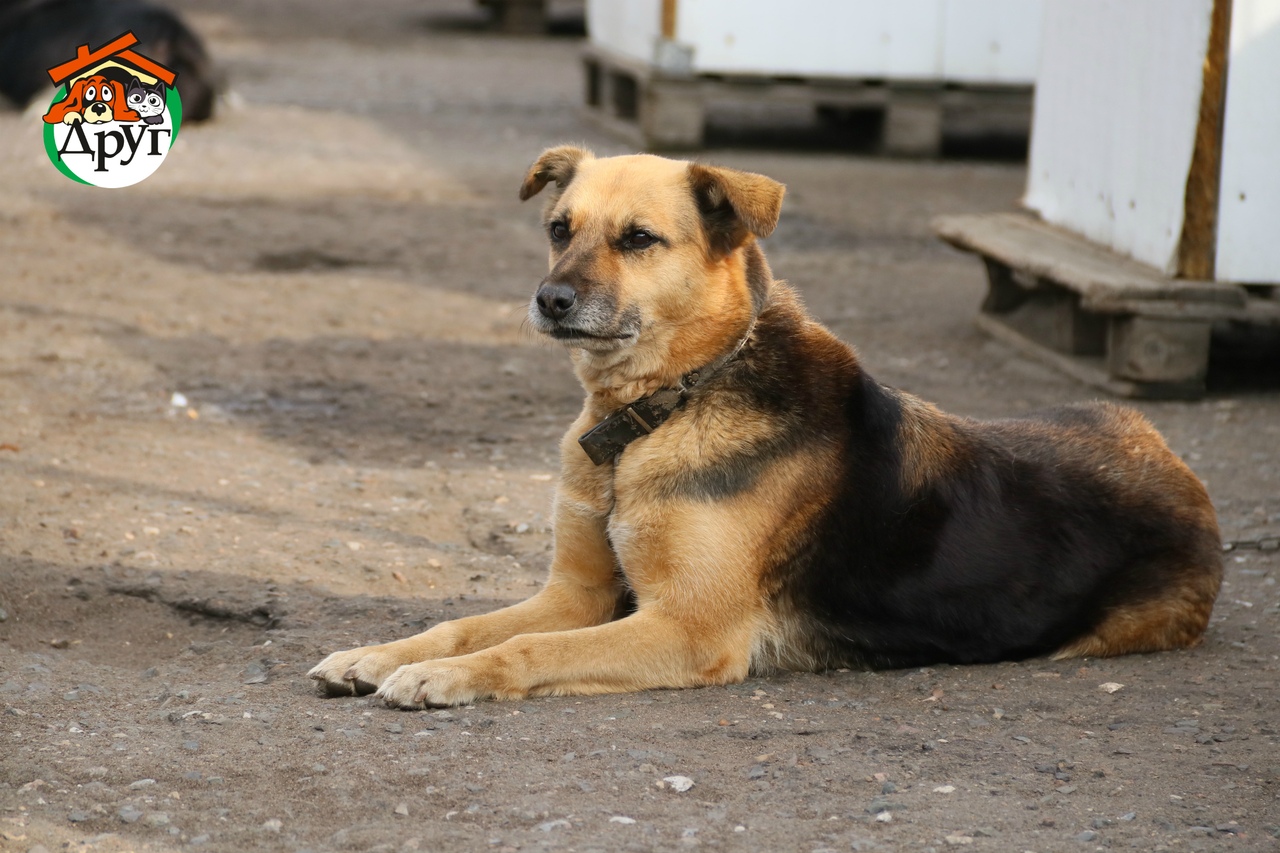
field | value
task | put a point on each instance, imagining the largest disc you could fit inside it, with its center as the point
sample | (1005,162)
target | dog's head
(104,101)
(652,260)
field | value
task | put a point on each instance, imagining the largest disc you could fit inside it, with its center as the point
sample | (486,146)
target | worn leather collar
(610,437)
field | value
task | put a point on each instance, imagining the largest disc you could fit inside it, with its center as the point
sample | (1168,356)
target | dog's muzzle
(581,318)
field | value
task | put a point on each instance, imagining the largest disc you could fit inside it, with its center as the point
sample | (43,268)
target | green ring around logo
(172,102)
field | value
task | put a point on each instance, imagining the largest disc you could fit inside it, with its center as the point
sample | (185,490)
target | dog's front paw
(356,672)
(433,684)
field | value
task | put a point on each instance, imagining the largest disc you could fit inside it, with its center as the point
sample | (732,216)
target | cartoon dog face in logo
(93,100)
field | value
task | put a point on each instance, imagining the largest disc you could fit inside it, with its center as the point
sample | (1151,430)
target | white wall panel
(1249,196)
(991,41)
(1117,103)
(835,38)
(628,27)
(971,41)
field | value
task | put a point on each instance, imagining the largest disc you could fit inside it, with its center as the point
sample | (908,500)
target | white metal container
(991,42)
(1249,192)
(1115,120)
(1118,103)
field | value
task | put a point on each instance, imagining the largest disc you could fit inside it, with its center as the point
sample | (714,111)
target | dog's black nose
(556,300)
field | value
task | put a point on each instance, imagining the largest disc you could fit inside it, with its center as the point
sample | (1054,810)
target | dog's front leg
(649,649)
(582,590)
(695,571)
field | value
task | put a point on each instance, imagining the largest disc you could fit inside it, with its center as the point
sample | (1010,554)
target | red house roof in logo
(117,48)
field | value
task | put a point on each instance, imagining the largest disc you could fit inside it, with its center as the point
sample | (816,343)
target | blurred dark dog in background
(38,34)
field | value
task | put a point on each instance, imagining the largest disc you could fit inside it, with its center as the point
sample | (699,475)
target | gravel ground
(332,275)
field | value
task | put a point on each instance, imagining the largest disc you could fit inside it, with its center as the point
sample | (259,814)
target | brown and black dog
(36,35)
(762,503)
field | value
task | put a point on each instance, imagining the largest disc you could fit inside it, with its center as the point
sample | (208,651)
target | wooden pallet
(664,105)
(518,17)
(1107,320)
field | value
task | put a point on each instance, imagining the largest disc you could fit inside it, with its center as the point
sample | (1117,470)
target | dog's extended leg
(649,649)
(561,606)
(701,611)
(582,590)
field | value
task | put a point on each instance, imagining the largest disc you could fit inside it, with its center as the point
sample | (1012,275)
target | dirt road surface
(277,400)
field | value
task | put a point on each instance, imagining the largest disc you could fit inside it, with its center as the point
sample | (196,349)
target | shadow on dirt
(228,236)
(112,614)
(1244,359)
(567,22)
(400,402)
(751,125)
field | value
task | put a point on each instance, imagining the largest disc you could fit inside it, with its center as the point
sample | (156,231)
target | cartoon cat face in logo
(147,101)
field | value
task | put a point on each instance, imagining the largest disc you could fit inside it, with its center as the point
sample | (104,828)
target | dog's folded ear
(734,204)
(556,164)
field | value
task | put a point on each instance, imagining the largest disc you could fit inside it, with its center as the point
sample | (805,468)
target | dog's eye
(106,93)
(639,240)
(90,93)
(559,232)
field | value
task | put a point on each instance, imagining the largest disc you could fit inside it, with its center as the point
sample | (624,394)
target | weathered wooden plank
(913,123)
(1097,274)
(1156,349)
(520,17)
(672,114)
(669,102)
(1044,312)
(1092,370)
(1096,316)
